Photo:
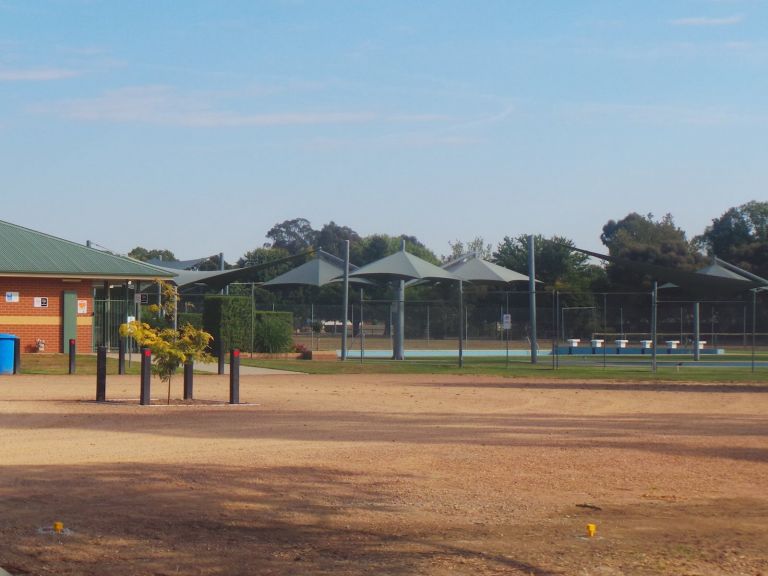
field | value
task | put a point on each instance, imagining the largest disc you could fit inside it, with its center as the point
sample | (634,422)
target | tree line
(739,235)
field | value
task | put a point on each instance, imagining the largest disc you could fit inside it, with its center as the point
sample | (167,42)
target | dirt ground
(349,475)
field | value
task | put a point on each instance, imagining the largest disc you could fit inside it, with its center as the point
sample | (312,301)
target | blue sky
(196,126)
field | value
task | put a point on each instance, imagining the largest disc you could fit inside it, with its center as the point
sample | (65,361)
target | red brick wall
(30,323)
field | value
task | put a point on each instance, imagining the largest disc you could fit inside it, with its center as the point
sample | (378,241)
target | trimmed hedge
(227,319)
(193,318)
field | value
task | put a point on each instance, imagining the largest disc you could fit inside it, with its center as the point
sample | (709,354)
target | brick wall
(30,323)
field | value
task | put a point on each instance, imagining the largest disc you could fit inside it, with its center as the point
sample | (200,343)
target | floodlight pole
(346,302)
(399,342)
(654,299)
(696,332)
(754,323)
(532,297)
(362,329)
(461,324)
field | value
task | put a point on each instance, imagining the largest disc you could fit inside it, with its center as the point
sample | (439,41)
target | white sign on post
(506,321)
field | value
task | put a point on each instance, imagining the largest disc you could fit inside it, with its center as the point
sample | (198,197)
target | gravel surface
(349,475)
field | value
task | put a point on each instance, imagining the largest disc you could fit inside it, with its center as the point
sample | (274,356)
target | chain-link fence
(610,316)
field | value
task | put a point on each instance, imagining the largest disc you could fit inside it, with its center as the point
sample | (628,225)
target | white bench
(645,345)
(672,344)
(573,343)
(596,343)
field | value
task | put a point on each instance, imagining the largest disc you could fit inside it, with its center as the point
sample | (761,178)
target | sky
(195,126)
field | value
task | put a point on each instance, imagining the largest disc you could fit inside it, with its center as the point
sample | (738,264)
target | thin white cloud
(164,106)
(708,21)
(36,74)
(660,114)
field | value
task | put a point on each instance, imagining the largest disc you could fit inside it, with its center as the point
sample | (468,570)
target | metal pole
(696,332)
(234,376)
(754,324)
(400,328)
(72,353)
(654,296)
(16,355)
(252,313)
(506,330)
(461,323)
(312,327)
(101,374)
(605,328)
(362,329)
(189,371)
(557,329)
(121,356)
(345,302)
(532,297)
(146,377)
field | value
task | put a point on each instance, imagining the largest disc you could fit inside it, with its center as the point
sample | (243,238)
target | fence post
(146,376)
(234,376)
(101,374)
(189,368)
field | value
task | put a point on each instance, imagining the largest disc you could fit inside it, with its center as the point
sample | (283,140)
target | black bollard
(121,356)
(72,353)
(16,355)
(101,374)
(189,369)
(146,376)
(221,360)
(234,376)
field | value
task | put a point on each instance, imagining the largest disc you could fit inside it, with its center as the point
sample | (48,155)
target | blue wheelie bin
(7,342)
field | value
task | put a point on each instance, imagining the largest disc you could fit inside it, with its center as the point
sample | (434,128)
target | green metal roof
(27,252)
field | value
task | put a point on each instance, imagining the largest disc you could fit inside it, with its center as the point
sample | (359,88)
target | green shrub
(228,320)
(272,334)
(195,319)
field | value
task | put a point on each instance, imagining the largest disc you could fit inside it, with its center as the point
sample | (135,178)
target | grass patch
(589,369)
(85,364)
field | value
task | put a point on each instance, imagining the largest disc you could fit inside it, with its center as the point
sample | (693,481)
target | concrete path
(244,370)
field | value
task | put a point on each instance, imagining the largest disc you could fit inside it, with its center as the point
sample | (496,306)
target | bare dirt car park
(384,474)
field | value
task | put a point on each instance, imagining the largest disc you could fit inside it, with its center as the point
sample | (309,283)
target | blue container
(7,342)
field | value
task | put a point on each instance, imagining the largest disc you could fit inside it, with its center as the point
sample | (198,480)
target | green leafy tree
(476,245)
(645,239)
(143,254)
(740,236)
(332,239)
(559,267)
(294,236)
(170,348)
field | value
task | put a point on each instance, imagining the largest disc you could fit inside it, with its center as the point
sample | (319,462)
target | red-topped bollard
(234,376)
(146,376)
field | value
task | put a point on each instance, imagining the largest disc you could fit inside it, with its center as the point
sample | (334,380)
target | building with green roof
(48,289)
